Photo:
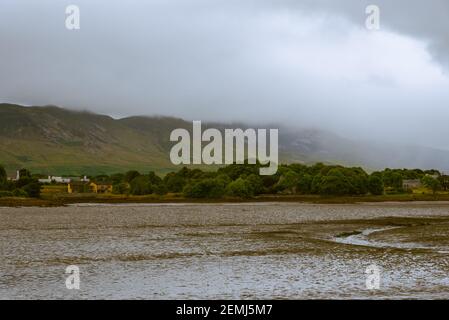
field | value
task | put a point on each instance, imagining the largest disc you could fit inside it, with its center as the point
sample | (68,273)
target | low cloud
(303,63)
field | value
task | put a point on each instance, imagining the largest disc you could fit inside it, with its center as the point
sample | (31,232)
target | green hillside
(57,141)
(52,140)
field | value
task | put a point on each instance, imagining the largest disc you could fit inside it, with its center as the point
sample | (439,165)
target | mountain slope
(52,140)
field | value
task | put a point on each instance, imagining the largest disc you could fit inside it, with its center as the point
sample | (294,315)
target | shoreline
(164,200)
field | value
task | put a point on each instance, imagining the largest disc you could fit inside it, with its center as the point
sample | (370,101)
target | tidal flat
(226,251)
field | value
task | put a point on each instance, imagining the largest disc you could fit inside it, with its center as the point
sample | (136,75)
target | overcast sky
(309,63)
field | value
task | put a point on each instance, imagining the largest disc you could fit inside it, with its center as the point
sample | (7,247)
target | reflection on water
(268,251)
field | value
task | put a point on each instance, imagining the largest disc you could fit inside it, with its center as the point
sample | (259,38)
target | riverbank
(57,201)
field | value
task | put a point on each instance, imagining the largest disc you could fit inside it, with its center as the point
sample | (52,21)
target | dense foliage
(244,181)
(26,186)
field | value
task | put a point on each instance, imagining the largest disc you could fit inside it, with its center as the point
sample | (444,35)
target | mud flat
(251,250)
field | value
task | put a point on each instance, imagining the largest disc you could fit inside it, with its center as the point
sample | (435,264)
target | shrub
(334,185)
(256,183)
(153,178)
(174,182)
(120,188)
(240,188)
(141,186)
(6,194)
(289,181)
(33,189)
(208,188)
(375,185)
(431,183)
(160,189)
(304,185)
(131,175)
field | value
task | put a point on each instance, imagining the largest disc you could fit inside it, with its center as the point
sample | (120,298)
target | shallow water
(283,251)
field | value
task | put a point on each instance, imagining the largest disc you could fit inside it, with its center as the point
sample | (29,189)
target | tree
(33,189)
(334,182)
(160,189)
(174,182)
(24,173)
(316,184)
(397,181)
(334,185)
(375,185)
(393,179)
(444,181)
(358,180)
(103,178)
(270,182)
(300,169)
(117,178)
(235,171)
(240,188)
(431,183)
(256,183)
(153,178)
(207,188)
(140,185)
(3,177)
(121,188)
(289,181)
(24,179)
(305,184)
(131,175)
(337,180)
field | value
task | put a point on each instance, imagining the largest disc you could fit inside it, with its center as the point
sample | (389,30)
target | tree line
(244,181)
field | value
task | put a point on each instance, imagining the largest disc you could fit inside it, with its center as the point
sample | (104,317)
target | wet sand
(260,250)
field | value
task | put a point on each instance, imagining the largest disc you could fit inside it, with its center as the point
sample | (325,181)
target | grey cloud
(427,20)
(242,60)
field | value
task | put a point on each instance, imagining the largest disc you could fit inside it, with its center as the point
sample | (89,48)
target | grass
(51,198)
(53,190)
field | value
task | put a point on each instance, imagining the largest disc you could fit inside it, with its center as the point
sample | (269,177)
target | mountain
(52,140)
(58,141)
(318,145)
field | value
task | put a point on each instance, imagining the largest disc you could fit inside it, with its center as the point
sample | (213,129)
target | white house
(51,179)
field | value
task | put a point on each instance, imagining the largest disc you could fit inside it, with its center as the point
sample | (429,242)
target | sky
(301,63)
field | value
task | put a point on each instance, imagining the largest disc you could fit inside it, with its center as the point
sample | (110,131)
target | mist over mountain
(52,140)
(309,63)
